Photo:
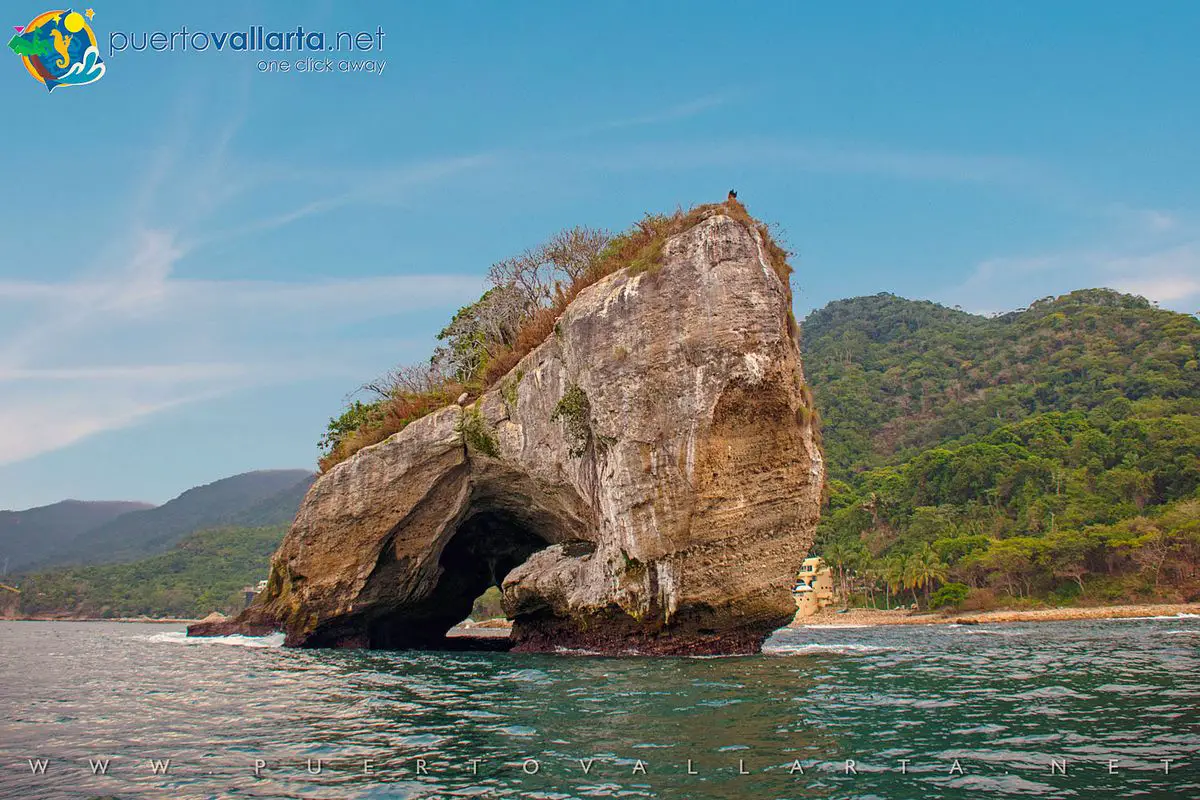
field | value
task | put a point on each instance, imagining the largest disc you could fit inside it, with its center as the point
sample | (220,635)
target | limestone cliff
(646,479)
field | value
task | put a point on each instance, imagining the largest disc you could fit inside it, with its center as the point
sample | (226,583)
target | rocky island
(646,479)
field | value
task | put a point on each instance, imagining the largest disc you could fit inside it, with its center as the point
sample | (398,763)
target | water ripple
(903,704)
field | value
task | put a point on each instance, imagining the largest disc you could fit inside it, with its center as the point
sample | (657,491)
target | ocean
(1086,709)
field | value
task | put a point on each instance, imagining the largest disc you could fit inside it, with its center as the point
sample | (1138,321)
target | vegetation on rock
(575,412)
(475,433)
(528,294)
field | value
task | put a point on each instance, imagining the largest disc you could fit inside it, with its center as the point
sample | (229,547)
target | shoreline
(828,618)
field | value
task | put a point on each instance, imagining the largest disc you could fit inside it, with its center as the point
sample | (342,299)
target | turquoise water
(1002,699)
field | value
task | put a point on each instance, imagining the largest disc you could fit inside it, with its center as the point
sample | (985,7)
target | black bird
(732,194)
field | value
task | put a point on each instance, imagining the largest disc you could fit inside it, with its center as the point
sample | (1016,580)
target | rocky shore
(869,616)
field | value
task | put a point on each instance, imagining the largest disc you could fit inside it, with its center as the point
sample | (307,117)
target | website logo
(59,49)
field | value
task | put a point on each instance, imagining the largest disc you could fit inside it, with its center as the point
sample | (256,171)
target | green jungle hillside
(204,572)
(1050,454)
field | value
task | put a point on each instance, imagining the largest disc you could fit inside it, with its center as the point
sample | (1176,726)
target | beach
(868,616)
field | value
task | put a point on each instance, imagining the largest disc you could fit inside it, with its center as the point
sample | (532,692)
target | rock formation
(645,480)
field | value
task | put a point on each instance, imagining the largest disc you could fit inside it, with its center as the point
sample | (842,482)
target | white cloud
(126,338)
(144,282)
(151,373)
(1155,259)
(374,186)
(66,311)
(61,382)
(1167,290)
(70,393)
(182,299)
(39,424)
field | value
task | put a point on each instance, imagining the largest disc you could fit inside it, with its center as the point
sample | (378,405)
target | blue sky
(201,259)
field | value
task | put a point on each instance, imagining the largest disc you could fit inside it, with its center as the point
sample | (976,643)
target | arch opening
(486,546)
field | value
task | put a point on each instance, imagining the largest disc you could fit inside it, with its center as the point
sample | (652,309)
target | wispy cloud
(654,116)
(1169,290)
(36,425)
(674,113)
(1148,252)
(61,384)
(182,299)
(127,338)
(153,373)
(138,281)
(378,185)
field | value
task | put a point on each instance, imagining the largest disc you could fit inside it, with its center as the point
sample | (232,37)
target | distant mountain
(27,537)
(252,499)
(278,509)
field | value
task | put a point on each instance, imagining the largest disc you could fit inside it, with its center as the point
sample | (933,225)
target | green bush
(477,435)
(575,411)
(1065,595)
(950,595)
(357,415)
(508,390)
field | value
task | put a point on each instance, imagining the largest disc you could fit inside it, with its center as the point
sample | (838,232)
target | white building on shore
(814,587)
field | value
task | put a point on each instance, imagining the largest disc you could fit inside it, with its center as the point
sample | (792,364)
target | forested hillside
(204,572)
(1052,452)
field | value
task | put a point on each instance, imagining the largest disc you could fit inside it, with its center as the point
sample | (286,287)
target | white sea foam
(1180,615)
(842,649)
(179,637)
(716,655)
(576,651)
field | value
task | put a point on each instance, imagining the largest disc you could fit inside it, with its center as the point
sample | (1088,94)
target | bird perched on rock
(732,195)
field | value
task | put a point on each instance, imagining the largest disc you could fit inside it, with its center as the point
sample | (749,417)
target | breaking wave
(179,637)
(841,649)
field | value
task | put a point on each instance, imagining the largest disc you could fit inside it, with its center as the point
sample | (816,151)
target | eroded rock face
(647,479)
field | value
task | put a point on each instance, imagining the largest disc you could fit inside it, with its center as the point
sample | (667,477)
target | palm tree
(911,580)
(859,562)
(893,577)
(870,576)
(837,555)
(924,568)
